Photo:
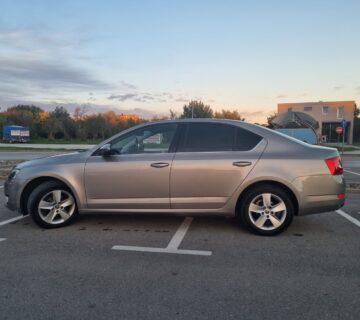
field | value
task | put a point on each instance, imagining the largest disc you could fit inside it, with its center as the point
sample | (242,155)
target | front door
(136,174)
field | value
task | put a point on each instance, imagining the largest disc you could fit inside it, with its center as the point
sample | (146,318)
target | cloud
(46,74)
(182,99)
(280,96)
(338,88)
(128,85)
(138,97)
(123,97)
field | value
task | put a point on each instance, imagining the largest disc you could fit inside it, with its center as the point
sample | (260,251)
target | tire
(52,205)
(266,210)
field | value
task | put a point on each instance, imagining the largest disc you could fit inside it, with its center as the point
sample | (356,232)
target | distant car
(187,167)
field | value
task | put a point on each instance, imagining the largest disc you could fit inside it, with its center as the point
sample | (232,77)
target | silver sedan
(187,167)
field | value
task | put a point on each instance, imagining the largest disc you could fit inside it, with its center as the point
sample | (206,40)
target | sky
(149,56)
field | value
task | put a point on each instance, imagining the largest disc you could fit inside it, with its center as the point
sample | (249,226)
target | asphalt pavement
(312,271)
(200,268)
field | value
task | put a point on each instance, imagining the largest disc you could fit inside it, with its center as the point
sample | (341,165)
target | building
(329,115)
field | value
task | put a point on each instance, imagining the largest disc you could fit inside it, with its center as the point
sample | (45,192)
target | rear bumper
(320,193)
(318,204)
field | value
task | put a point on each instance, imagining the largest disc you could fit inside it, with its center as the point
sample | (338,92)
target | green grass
(15,149)
(66,141)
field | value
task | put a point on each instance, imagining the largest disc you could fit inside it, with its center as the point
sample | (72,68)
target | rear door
(211,162)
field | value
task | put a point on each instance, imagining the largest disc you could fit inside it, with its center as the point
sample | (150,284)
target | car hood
(74,157)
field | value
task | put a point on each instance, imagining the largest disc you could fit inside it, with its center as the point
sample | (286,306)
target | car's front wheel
(52,205)
(266,210)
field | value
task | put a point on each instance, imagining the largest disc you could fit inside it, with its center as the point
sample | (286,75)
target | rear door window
(206,137)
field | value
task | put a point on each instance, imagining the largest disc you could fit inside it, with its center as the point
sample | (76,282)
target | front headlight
(13,174)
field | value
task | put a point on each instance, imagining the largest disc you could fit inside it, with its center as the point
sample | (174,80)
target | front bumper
(12,191)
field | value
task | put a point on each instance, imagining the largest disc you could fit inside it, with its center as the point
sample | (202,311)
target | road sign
(339,130)
(343,123)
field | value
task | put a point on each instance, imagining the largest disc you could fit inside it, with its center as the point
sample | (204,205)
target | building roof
(292,119)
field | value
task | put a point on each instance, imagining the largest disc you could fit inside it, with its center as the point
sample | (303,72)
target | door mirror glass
(105,150)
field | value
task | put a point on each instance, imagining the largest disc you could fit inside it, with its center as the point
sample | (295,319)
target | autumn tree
(228,114)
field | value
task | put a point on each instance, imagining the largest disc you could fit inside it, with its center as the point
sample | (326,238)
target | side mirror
(105,150)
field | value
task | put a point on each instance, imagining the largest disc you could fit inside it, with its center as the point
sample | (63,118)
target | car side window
(150,139)
(246,140)
(203,137)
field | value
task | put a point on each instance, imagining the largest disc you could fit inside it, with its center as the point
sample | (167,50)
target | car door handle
(160,164)
(242,163)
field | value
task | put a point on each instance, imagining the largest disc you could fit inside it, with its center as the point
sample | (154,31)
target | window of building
(289,109)
(325,110)
(308,109)
(340,112)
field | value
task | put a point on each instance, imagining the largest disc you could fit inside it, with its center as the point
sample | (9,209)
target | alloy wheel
(267,211)
(56,206)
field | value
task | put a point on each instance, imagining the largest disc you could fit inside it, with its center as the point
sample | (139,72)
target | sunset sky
(157,55)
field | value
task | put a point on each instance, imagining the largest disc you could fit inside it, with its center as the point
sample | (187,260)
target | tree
(173,114)
(197,109)
(357,112)
(228,114)
(60,124)
(270,118)
(356,133)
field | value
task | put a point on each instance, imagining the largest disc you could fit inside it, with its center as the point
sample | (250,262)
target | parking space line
(179,234)
(2,223)
(2,239)
(173,244)
(1,187)
(356,173)
(348,217)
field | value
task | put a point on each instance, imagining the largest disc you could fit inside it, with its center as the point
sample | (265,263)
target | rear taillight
(334,165)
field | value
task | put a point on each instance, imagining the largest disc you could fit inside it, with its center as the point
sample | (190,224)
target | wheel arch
(271,183)
(32,184)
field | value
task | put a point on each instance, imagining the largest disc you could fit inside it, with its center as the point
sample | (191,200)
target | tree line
(59,124)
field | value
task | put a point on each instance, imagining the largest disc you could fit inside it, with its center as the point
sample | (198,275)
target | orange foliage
(43,115)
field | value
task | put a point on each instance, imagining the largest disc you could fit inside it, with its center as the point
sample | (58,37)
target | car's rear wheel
(52,205)
(266,210)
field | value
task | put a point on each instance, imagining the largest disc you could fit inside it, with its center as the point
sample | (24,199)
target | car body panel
(127,181)
(209,179)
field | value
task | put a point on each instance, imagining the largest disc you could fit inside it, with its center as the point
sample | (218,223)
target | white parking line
(180,234)
(2,223)
(2,239)
(348,217)
(1,187)
(173,244)
(358,174)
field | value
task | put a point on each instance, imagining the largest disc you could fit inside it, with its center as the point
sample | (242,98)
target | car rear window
(246,140)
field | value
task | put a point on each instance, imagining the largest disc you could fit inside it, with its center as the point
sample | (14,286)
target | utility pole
(343,125)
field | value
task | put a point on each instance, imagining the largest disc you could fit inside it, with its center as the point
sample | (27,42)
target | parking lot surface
(312,271)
